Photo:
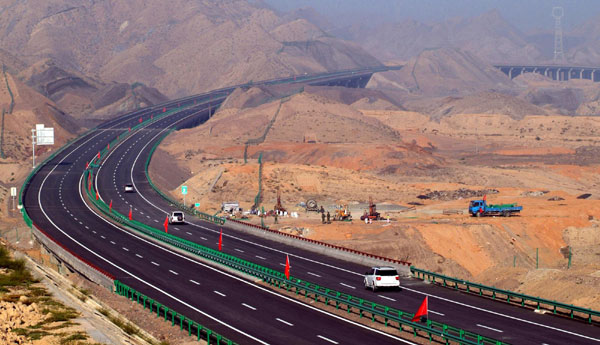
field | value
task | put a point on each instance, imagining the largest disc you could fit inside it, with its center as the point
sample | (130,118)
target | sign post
(184,191)
(13,193)
(41,136)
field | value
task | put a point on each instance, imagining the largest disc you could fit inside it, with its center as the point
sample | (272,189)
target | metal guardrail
(201,215)
(378,312)
(154,306)
(506,295)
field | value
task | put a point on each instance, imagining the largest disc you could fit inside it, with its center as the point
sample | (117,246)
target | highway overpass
(555,72)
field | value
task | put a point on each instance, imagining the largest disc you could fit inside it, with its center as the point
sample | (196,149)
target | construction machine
(373,214)
(342,213)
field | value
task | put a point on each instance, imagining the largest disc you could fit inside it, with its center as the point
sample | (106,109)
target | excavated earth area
(318,148)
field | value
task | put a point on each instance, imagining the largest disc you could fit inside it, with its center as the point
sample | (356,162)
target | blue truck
(480,208)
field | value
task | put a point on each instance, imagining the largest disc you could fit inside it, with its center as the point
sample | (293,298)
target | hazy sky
(524,14)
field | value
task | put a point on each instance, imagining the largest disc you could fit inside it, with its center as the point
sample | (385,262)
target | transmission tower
(558,13)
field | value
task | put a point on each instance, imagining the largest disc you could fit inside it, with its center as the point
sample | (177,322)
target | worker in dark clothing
(323,218)
(322,210)
(328,221)
(276,212)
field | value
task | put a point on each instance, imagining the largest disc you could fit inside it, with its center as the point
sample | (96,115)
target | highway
(239,309)
(126,164)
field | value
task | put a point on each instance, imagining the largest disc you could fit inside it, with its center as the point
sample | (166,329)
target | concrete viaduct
(560,73)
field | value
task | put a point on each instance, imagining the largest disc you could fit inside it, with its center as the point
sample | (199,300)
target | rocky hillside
(444,71)
(179,47)
(84,97)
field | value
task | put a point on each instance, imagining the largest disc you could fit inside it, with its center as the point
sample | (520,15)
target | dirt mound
(177,48)
(449,71)
(565,98)
(461,193)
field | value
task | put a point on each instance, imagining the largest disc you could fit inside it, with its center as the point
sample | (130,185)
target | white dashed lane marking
(313,274)
(195,282)
(154,263)
(139,256)
(248,306)
(327,339)
(219,293)
(284,322)
(346,285)
(175,273)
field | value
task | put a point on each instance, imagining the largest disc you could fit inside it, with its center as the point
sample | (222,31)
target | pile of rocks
(461,193)
(18,315)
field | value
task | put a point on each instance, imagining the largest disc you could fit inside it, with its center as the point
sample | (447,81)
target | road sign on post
(13,194)
(184,192)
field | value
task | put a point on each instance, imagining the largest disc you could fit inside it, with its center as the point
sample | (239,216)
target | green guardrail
(189,210)
(154,306)
(377,312)
(506,295)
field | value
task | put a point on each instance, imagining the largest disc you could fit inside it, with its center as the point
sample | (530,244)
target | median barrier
(572,311)
(154,306)
(276,278)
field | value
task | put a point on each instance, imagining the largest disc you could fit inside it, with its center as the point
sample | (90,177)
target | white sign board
(184,190)
(44,136)
(13,191)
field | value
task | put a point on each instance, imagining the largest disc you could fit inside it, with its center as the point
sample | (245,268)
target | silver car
(129,188)
(382,277)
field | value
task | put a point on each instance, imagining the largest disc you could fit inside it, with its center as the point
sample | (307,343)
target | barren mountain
(587,51)
(445,71)
(29,109)
(179,47)
(86,98)
(488,36)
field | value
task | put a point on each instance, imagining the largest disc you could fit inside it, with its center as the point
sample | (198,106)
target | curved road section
(242,310)
(126,164)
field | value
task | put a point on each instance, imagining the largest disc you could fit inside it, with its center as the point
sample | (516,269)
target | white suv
(177,217)
(379,277)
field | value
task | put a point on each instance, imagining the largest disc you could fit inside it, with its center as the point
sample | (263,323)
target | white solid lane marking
(313,274)
(219,293)
(327,339)
(154,263)
(139,256)
(285,322)
(386,297)
(125,249)
(490,328)
(195,282)
(435,312)
(175,273)
(346,285)
(248,306)
(238,250)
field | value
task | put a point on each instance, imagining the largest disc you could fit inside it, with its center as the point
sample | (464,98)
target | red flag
(87,165)
(110,206)
(140,119)
(484,197)
(90,183)
(98,154)
(108,146)
(166,224)
(164,109)
(287,267)
(421,312)
(130,129)
(151,116)
(221,240)
(97,197)
(130,215)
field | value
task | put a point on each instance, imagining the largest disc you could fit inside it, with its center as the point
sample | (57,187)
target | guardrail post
(144,298)
(208,333)
(157,309)
(172,317)
(181,319)
(166,312)
(199,328)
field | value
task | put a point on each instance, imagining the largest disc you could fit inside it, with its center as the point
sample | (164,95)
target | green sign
(184,190)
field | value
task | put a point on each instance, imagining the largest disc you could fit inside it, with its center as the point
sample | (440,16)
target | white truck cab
(176,217)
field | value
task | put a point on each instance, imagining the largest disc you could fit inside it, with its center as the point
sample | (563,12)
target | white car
(129,188)
(382,277)
(177,217)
